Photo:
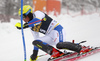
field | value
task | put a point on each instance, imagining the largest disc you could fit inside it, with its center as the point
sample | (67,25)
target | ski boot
(33,59)
(56,53)
(34,56)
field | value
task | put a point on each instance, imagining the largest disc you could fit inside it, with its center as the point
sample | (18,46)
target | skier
(53,31)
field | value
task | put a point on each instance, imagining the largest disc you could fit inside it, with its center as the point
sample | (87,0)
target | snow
(79,28)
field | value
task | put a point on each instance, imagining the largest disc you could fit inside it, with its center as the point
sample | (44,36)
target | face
(26,19)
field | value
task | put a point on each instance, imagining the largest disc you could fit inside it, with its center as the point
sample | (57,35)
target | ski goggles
(24,16)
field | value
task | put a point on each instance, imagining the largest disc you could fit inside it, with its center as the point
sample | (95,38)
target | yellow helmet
(26,10)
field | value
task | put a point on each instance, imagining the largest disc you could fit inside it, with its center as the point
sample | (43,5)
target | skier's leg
(55,36)
(69,45)
(72,46)
(47,48)
(61,44)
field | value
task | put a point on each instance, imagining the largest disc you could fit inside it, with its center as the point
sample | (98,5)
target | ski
(66,56)
(75,56)
(85,54)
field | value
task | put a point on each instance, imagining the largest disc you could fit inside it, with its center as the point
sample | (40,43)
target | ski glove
(18,25)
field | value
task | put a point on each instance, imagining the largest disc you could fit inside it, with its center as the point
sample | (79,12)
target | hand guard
(18,25)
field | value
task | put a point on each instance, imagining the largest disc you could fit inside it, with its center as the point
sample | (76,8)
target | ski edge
(84,55)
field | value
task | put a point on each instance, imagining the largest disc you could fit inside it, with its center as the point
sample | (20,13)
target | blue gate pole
(22,30)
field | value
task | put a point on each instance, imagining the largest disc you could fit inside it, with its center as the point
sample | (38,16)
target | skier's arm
(34,22)
(31,23)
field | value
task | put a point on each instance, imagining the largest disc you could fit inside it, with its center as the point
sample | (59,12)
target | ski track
(79,28)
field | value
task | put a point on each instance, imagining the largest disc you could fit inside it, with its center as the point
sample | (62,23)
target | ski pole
(22,30)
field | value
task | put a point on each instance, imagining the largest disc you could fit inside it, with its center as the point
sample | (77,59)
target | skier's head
(27,13)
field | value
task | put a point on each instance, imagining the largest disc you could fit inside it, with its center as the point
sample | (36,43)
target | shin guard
(69,46)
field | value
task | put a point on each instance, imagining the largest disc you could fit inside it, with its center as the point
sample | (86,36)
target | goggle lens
(23,16)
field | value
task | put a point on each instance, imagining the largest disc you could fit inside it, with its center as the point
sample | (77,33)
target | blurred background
(9,8)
